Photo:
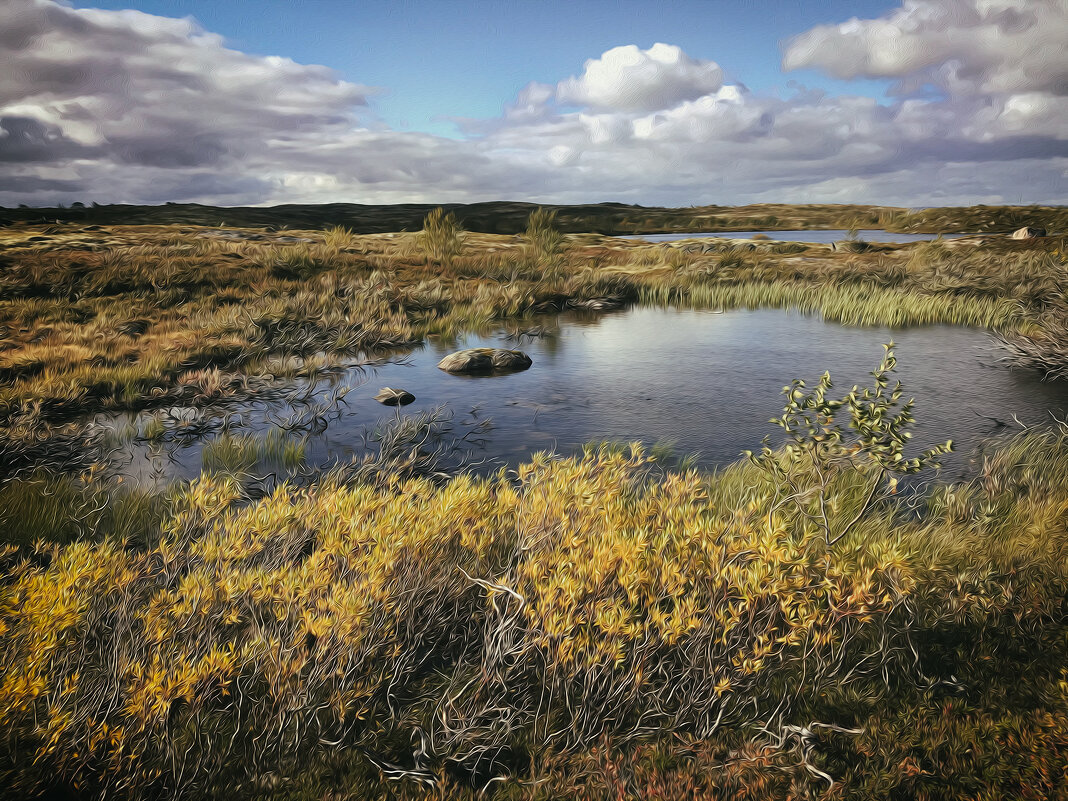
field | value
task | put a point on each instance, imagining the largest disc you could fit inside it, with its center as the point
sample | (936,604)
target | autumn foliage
(595,620)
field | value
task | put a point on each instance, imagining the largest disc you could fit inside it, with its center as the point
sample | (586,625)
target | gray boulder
(394,397)
(483,361)
(1027,232)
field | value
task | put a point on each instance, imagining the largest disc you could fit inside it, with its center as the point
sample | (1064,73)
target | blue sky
(437,60)
(256,102)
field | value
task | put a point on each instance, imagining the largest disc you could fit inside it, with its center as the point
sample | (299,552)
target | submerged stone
(481,361)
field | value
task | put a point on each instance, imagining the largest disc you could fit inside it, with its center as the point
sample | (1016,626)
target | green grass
(59,509)
(241,454)
(852,305)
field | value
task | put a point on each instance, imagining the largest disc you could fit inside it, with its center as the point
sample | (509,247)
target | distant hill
(509,217)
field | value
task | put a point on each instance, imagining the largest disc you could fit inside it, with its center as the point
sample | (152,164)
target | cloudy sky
(249,102)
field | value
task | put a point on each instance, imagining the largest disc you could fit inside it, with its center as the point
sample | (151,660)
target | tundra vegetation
(808,622)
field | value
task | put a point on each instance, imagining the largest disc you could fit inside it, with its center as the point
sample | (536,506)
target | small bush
(543,240)
(442,237)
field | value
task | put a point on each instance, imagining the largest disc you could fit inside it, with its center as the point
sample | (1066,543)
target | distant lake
(708,382)
(833,235)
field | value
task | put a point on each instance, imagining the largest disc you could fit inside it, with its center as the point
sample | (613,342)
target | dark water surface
(827,236)
(708,382)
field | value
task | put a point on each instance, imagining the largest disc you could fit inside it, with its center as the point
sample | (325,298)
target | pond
(707,382)
(826,236)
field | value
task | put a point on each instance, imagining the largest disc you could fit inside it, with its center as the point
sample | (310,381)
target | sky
(930,102)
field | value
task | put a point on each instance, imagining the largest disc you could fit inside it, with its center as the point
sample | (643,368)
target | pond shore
(133,317)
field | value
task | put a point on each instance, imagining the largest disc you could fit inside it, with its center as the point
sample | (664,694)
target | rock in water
(482,361)
(597,304)
(394,397)
(1027,232)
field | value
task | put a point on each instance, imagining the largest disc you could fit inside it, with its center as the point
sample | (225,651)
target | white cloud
(125,106)
(629,79)
(136,92)
(562,155)
(721,115)
(962,46)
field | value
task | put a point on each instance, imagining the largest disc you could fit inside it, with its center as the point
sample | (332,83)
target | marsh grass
(338,237)
(611,625)
(1044,348)
(240,455)
(153,429)
(442,237)
(852,305)
(162,317)
(543,242)
(977,219)
(44,507)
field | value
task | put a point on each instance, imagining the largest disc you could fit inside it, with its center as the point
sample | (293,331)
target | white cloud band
(131,107)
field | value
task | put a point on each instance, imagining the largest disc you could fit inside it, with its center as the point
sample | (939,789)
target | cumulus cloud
(961,46)
(27,140)
(137,91)
(125,106)
(629,79)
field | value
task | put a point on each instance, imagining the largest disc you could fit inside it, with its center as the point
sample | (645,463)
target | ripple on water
(706,382)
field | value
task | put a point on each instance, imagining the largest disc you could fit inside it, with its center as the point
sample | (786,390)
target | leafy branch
(819,451)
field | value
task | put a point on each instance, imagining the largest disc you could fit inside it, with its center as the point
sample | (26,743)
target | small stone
(394,397)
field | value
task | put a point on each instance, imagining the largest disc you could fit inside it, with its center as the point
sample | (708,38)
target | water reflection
(707,381)
(826,236)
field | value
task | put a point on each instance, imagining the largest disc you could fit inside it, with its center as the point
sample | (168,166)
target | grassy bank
(595,627)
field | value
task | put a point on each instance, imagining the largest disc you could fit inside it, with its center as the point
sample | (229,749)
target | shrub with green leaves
(819,454)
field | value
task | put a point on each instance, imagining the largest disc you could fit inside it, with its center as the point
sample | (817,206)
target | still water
(827,236)
(707,382)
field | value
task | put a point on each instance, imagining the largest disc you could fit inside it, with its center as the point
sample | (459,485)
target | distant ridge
(510,217)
